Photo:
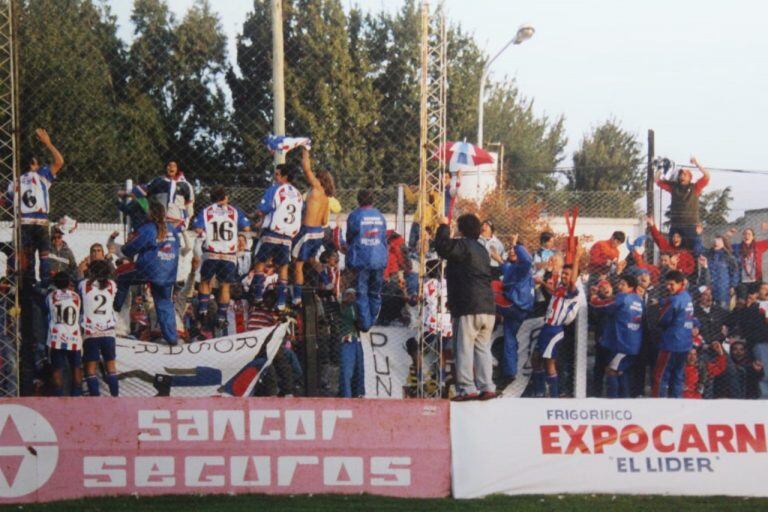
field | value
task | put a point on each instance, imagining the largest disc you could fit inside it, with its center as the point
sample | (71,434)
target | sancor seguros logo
(28,450)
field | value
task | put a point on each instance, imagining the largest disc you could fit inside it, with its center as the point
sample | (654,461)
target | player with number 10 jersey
(64,340)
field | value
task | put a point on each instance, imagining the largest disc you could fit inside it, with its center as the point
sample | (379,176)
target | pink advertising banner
(61,448)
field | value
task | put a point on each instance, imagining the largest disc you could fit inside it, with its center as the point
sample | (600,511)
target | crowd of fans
(692,326)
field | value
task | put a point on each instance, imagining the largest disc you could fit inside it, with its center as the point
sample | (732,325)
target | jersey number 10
(65,315)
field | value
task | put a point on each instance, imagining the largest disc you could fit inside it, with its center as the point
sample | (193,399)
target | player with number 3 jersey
(281,207)
(98,294)
(64,340)
(219,224)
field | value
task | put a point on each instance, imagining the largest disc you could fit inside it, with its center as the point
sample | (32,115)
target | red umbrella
(464,154)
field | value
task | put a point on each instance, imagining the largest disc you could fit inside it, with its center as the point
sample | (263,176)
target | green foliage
(715,207)
(533,146)
(119,110)
(178,65)
(66,84)
(609,158)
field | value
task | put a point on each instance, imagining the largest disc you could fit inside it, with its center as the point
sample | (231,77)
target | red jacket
(396,259)
(758,248)
(685,261)
(601,254)
(698,187)
(692,376)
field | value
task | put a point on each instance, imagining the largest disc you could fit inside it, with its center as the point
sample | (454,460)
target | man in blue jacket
(676,320)
(622,334)
(518,289)
(367,255)
(156,247)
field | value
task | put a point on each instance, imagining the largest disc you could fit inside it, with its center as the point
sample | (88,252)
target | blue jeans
(352,369)
(513,318)
(669,374)
(760,352)
(162,294)
(368,284)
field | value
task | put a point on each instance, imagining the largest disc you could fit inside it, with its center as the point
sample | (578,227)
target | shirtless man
(316,216)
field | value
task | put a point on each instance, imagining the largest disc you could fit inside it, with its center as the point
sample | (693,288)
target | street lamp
(524,33)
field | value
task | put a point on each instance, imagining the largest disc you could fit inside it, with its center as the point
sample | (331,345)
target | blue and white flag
(283,144)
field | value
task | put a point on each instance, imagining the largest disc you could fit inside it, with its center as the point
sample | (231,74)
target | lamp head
(524,33)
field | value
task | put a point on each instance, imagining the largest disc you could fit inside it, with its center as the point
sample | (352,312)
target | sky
(693,71)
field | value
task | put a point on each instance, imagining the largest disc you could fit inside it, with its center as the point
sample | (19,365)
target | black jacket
(468,274)
(711,322)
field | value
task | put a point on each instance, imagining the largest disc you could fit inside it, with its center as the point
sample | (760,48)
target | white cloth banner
(650,446)
(386,361)
(217,367)
(526,342)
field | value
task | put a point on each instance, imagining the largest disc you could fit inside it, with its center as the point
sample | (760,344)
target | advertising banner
(61,448)
(681,447)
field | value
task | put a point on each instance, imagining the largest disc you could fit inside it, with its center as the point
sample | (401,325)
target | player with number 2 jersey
(98,294)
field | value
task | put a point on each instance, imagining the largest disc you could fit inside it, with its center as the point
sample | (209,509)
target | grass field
(251,503)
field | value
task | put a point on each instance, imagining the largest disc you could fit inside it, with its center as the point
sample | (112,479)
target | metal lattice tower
(9,143)
(431,168)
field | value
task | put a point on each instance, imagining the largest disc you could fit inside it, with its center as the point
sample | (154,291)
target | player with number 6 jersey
(219,224)
(34,205)
(98,294)
(64,340)
(281,207)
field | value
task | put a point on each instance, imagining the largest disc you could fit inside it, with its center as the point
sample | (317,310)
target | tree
(533,145)
(69,56)
(325,98)
(178,66)
(715,207)
(608,159)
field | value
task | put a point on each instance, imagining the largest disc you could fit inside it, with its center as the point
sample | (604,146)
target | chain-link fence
(122,108)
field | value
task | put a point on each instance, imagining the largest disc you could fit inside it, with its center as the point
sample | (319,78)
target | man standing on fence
(316,215)
(173,191)
(367,255)
(684,209)
(281,207)
(219,224)
(470,300)
(34,206)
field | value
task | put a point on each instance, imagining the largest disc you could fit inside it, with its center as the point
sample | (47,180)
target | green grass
(334,503)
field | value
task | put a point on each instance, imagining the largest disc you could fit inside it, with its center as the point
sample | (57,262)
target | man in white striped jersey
(561,311)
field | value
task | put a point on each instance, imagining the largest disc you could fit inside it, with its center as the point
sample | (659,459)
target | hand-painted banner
(64,448)
(221,366)
(683,447)
(387,362)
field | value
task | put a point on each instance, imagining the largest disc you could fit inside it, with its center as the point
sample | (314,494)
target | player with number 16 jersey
(219,224)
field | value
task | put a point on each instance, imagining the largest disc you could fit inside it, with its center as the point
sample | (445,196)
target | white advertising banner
(651,446)
(224,366)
